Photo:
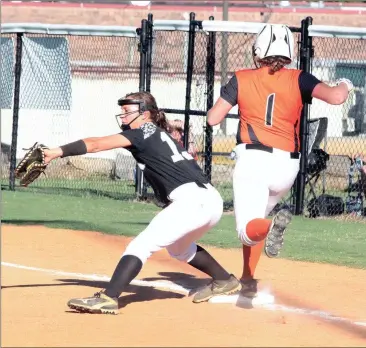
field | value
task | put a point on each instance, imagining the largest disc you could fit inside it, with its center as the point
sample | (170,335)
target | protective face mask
(125,127)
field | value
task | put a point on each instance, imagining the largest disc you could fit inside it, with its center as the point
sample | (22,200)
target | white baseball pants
(260,180)
(193,212)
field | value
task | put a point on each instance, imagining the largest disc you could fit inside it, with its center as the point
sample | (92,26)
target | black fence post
(306,53)
(190,61)
(16,102)
(149,51)
(210,80)
(142,47)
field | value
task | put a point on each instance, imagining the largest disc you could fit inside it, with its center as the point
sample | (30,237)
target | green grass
(326,241)
(97,186)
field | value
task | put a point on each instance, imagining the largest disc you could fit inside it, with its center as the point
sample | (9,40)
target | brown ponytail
(274,63)
(161,120)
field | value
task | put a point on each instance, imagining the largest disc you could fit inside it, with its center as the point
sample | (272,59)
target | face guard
(141,110)
(254,58)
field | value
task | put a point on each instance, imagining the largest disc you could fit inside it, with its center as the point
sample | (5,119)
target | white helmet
(274,40)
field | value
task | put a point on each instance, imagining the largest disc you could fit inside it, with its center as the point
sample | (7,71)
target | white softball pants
(260,180)
(193,212)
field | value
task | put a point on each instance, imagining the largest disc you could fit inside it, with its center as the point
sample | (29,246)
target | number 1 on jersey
(269,109)
(176,155)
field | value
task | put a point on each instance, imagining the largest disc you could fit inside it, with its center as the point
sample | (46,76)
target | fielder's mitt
(32,165)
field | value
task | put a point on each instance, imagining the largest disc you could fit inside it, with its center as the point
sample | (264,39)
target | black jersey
(166,164)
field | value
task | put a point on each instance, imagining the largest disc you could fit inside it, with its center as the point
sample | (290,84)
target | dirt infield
(34,311)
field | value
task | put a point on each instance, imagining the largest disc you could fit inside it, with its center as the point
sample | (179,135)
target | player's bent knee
(143,252)
(242,234)
(186,255)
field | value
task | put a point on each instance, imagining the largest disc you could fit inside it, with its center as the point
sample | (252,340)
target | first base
(242,301)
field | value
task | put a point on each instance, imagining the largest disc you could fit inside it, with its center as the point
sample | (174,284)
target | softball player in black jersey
(193,205)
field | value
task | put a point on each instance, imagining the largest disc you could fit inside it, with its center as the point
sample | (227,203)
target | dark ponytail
(161,121)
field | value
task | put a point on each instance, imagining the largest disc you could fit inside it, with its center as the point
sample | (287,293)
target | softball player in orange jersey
(270,100)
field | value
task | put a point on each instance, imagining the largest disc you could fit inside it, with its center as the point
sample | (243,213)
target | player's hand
(51,154)
(347,82)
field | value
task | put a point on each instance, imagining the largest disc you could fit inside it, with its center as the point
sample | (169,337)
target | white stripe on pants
(260,180)
(192,213)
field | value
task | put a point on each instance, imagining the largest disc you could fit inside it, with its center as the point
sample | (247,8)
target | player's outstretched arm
(333,95)
(87,145)
(218,112)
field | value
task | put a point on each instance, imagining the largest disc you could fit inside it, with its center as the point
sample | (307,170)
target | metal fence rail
(184,64)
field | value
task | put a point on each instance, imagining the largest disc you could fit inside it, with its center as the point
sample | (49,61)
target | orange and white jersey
(270,108)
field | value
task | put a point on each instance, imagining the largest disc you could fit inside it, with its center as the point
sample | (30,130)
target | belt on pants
(261,147)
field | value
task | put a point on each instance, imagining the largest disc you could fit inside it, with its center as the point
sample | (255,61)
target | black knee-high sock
(127,269)
(204,262)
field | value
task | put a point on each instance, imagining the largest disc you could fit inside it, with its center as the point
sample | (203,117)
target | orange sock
(251,256)
(257,229)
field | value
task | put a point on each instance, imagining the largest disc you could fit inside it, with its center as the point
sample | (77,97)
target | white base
(242,301)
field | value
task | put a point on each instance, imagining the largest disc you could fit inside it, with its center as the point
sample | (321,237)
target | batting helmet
(274,40)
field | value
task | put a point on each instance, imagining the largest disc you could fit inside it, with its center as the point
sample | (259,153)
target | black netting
(199,97)
(7,51)
(339,186)
(169,84)
(169,64)
(75,98)
(233,52)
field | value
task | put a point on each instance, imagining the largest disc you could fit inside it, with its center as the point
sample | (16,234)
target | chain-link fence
(217,55)
(337,184)
(233,53)
(72,78)
(68,88)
